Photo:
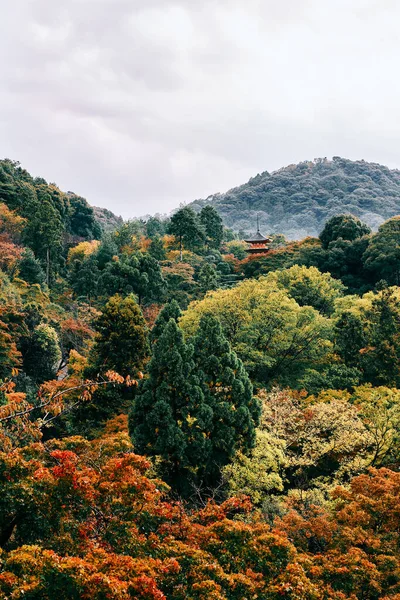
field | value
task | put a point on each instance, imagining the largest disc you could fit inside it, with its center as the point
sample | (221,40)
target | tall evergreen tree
(85,277)
(350,338)
(156,249)
(170,311)
(169,418)
(213,227)
(186,227)
(228,392)
(44,235)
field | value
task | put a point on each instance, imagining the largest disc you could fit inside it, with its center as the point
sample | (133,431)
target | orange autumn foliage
(84,519)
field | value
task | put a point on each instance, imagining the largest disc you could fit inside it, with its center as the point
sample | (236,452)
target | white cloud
(142,104)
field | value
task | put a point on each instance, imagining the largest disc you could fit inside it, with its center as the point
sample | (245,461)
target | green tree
(84,277)
(169,418)
(170,311)
(42,353)
(380,359)
(139,274)
(345,227)
(155,227)
(122,342)
(212,225)
(186,227)
(350,338)
(229,395)
(382,257)
(309,287)
(237,248)
(107,249)
(151,286)
(30,269)
(208,277)
(156,249)
(257,474)
(379,409)
(81,219)
(277,339)
(43,234)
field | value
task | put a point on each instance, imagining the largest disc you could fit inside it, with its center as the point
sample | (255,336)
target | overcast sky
(139,105)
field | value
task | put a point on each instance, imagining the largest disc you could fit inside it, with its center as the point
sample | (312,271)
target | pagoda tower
(258,244)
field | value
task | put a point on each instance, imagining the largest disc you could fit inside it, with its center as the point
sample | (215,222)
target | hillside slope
(297,200)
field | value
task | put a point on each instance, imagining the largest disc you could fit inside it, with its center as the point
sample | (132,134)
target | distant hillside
(298,199)
(35,199)
(107,219)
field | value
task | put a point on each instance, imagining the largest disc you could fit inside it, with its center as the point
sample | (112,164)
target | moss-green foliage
(258,474)
(122,342)
(42,353)
(277,339)
(309,287)
(344,227)
(139,274)
(382,257)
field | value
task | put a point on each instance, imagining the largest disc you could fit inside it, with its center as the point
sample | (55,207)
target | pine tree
(228,393)
(213,226)
(169,311)
(169,418)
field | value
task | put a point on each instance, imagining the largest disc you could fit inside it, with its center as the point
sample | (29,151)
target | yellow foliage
(82,250)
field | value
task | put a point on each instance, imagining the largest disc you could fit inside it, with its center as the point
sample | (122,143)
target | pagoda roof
(258,237)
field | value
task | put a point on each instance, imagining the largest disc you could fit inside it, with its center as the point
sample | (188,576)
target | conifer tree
(30,269)
(170,311)
(122,344)
(228,392)
(208,278)
(213,226)
(169,418)
(186,227)
(156,249)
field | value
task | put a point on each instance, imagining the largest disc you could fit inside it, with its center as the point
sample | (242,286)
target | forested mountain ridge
(53,217)
(297,200)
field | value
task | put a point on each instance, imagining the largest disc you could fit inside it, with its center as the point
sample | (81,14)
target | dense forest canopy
(181,420)
(297,200)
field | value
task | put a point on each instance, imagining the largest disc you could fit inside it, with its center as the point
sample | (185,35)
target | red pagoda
(258,243)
